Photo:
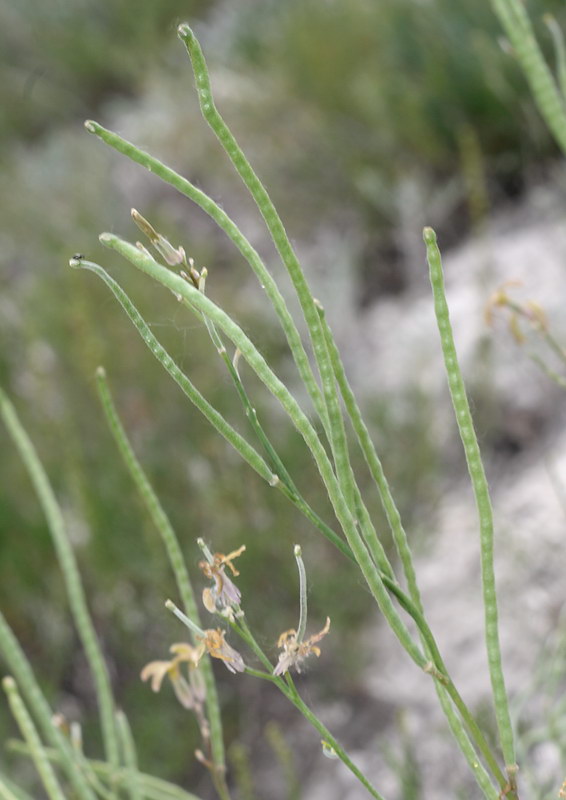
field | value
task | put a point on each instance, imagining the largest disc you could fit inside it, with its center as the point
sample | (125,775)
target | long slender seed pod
(29,732)
(288,257)
(230,228)
(19,666)
(373,462)
(204,305)
(129,756)
(71,575)
(415,607)
(481,494)
(551,104)
(174,553)
(301,627)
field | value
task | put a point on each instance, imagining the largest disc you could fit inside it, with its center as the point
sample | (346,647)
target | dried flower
(210,641)
(190,693)
(216,646)
(294,651)
(224,594)
(171,255)
(292,642)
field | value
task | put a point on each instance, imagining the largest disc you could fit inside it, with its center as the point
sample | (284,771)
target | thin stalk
(174,554)
(481,494)
(21,669)
(437,669)
(9,791)
(29,732)
(549,372)
(246,451)
(129,756)
(71,575)
(559,50)
(275,461)
(230,228)
(466,747)
(374,463)
(287,687)
(204,305)
(329,739)
(283,245)
(153,788)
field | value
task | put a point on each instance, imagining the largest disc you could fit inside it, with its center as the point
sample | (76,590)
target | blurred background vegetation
(366,119)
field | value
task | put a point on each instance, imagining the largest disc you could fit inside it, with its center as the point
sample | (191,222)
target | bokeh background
(366,119)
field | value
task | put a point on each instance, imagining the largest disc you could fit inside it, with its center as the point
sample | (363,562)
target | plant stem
(30,734)
(204,305)
(288,688)
(20,667)
(71,575)
(174,553)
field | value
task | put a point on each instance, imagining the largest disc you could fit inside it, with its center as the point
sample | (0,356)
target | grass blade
(71,575)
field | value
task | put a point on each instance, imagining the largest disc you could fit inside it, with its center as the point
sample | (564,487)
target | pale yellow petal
(156,670)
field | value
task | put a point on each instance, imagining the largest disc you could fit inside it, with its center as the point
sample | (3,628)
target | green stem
(559,50)
(375,467)
(129,754)
(289,690)
(245,450)
(275,461)
(299,703)
(548,371)
(153,788)
(71,575)
(29,732)
(204,305)
(174,554)
(21,669)
(440,673)
(481,494)
(9,791)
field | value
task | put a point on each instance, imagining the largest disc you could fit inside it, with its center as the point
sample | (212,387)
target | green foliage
(319,451)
